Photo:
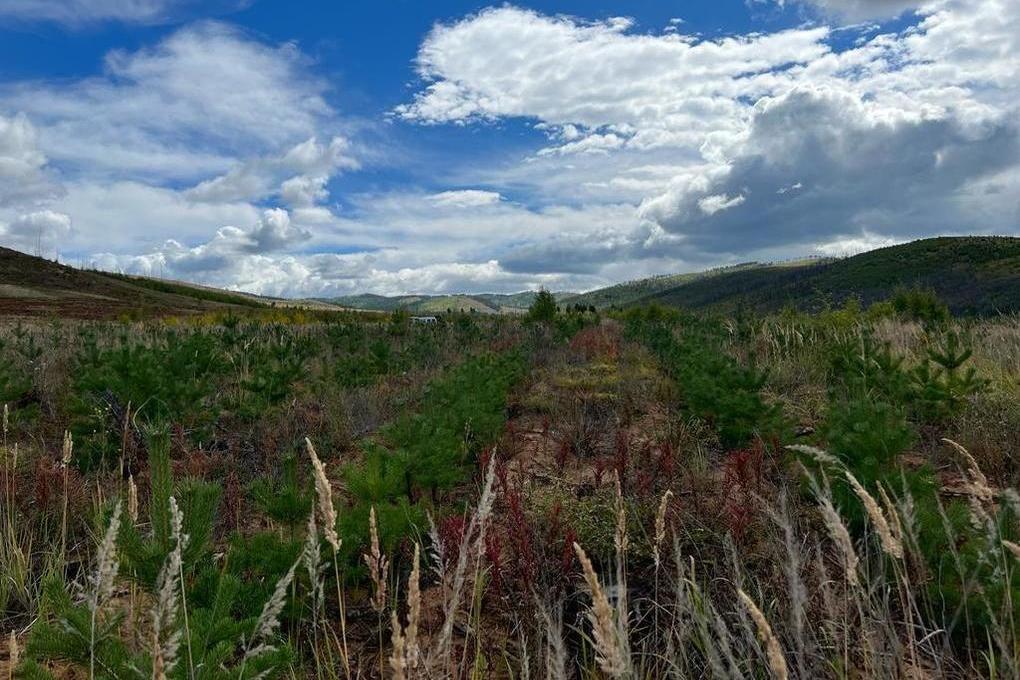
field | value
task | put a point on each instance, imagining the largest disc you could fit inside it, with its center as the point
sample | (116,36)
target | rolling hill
(629,292)
(32,286)
(973,275)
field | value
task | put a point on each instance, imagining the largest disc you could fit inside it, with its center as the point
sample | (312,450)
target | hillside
(629,292)
(32,286)
(974,275)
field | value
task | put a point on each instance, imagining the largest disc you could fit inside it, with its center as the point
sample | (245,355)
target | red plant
(666,463)
(493,553)
(451,534)
(597,342)
(600,467)
(563,455)
(742,481)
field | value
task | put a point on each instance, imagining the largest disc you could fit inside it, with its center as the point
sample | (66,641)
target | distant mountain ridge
(484,303)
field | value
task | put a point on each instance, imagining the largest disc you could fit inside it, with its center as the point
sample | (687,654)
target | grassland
(247,492)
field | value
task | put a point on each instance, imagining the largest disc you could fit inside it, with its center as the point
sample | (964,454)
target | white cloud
(37,232)
(304,191)
(845,247)
(860,9)
(22,164)
(274,231)
(710,205)
(766,142)
(134,217)
(187,107)
(465,198)
(836,143)
(76,12)
(259,178)
(596,77)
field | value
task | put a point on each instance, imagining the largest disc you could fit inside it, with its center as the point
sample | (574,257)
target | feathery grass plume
(132,499)
(269,619)
(103,581)
(324,496)
(107,565)
(454,586)
(820,455)
(1012,547)
(484,508)
(377,564)
(414,608)
(978,484)
(773,651)
(621,541)
(68,448)
(660,525)
(13,653)
(65,459)
(890,544)
(313,561)
(398,653)
(555,649)
(792,568)
(894,516)
(166,637)
(608,648)
(835,526)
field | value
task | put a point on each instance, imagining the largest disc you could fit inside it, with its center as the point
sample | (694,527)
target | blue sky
(406,146)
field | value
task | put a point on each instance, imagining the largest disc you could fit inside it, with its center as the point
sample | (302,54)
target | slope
(32,286)
(972,274)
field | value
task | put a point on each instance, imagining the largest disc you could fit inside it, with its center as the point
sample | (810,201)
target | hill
(33,286)
(629,292)
(973,275)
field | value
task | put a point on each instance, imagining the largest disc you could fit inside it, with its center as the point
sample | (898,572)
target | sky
(399,146)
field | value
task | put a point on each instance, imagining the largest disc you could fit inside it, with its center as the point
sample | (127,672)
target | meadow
(570,493)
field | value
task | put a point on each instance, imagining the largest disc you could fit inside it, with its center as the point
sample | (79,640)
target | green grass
(199,293)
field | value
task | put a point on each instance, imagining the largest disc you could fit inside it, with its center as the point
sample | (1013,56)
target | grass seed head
(890,544)
(773,650)
(324,498)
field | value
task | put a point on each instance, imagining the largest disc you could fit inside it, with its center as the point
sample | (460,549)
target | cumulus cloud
(275,231)
(763,143)
(595,83)
(836,142)
(298,174)
(22,164)
(184,108)
(38,232)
